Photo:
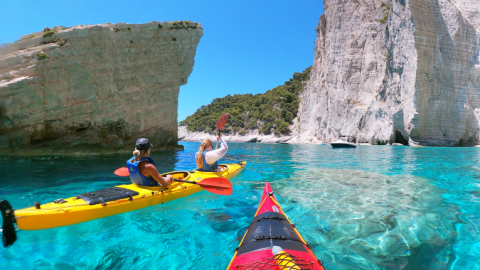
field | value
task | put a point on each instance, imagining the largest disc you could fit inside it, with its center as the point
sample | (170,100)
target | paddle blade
(217,185)
(123,171)
(221,121)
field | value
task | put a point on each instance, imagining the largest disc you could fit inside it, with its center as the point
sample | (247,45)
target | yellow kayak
(116,200)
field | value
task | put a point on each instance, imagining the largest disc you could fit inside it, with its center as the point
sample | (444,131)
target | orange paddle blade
(123,171)
(217,185)
(221,121)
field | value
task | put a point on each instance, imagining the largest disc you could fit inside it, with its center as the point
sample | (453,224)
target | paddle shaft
(185,181)
(220,123)
(190,182)
(220,131)
(220,186)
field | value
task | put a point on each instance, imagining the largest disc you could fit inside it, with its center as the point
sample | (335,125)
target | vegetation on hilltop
(269,112)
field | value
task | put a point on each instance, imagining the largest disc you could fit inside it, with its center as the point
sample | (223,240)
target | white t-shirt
(214,155)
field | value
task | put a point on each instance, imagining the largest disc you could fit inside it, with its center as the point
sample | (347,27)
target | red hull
(271,228)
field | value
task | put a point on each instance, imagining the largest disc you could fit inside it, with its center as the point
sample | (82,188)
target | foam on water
(366,208)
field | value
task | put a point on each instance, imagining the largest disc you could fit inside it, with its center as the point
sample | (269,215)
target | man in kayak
(142,168)
(206,159)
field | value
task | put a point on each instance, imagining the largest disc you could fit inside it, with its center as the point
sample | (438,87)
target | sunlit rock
(395,72)
(94,88)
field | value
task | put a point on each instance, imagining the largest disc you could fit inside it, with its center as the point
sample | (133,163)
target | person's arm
(214,155)
(150,170)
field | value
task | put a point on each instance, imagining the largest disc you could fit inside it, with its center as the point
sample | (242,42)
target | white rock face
(402,71)
(252,136)
(95,87)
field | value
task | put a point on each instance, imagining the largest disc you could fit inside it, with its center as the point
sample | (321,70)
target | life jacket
(136,176)
(206,167)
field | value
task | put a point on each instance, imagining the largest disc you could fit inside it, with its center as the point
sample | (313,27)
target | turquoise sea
(373,207)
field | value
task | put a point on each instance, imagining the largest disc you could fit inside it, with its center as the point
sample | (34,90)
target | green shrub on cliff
(42,56)
(183,24)
(387,9)
(49,33)
(269,112)
(60,41)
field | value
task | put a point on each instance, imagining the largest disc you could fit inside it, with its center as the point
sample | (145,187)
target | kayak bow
(272,241)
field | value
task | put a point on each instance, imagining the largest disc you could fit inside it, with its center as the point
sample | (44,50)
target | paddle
(217,185)
(220,123)
(123,171)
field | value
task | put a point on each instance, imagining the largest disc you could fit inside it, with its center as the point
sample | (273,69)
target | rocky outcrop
(395,71)
(94,88)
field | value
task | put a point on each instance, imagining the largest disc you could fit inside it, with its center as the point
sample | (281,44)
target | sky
(247,46)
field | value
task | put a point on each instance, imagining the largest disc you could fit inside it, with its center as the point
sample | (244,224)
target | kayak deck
(75,210)
(272,242)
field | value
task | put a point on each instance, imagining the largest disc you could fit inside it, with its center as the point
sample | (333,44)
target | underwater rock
(392,221)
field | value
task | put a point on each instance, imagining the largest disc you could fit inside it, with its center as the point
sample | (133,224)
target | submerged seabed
(373,207)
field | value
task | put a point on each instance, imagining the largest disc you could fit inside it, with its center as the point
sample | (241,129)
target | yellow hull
(75,210)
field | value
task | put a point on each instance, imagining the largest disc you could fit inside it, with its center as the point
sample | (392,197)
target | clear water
(373,207)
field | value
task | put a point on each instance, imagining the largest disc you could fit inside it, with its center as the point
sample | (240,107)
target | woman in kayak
(142,168)
(206,159)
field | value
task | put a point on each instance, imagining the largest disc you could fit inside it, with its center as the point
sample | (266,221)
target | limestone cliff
(389,71)
(94,88)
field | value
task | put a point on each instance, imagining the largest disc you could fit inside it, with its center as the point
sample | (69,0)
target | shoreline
(250,137)
(253,136)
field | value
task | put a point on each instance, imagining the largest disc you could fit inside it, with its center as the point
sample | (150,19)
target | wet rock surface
(376,221)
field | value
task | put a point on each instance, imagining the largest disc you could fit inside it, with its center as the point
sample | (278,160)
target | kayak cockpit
(224,168)
(183,175)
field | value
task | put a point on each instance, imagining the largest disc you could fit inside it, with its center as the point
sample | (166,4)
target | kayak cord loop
(59,201)
(9,236)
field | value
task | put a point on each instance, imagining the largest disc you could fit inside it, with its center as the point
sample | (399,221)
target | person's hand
(218,138)
(170,178)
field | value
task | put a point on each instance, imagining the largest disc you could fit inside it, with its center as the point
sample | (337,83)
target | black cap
(143,144)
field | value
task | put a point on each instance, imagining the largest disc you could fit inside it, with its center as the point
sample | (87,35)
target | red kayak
(272,241)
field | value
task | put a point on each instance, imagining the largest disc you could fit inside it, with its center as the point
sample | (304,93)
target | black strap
(271,237)
(270,217)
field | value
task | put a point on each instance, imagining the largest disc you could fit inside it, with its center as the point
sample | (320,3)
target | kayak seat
(270,229)
(106,195)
